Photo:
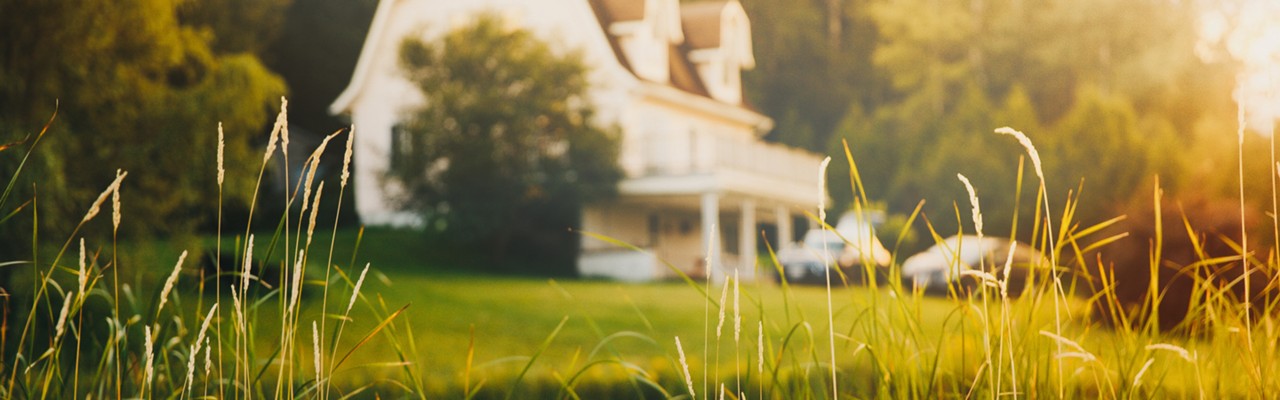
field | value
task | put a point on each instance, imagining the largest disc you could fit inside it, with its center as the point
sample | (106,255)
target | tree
(503,154)
(137,90)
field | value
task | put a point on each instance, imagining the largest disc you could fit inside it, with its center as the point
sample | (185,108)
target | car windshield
(823,240)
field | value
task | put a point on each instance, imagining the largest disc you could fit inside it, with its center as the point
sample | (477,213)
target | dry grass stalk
(315,349)
(1137,379)
(973,200)
(115,204)
(282,122)
(724,297)
(248,265)
(208,358)
(102,198)
(822,188)
(62,317)
(239,308)
(1181,352)
(221,148)
(737,311)
(313,163)
(831,325)
(168,283)
(1026,144)
(1063,340)
(148,371)
(346,157)
(760,348)
(355,292)
(296,283)
(315,208)
(83,276)
(195,348)
(684,363)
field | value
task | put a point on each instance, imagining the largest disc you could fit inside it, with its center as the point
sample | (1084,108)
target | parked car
(851,246)
(944,263)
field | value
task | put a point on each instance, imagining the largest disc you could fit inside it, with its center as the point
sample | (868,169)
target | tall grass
(83,332)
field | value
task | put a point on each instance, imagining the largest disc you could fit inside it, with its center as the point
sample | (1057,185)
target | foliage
(813,64)
(237,26)
(137,90)
(1112,92)
(503,150)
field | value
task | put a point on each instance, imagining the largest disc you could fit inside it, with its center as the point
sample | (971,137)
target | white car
(809,259)
(945,262)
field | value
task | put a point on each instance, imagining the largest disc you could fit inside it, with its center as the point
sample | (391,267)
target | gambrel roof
(692,34)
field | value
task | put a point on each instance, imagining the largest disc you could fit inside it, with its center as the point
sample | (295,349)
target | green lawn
(513,316)
(464,331)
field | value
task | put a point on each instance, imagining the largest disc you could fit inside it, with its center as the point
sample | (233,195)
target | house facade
(699,180)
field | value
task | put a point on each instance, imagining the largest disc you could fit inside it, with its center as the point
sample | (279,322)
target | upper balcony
(696,161)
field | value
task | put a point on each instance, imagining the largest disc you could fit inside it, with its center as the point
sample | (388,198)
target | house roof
(622,10)
(701,22)
(700,28)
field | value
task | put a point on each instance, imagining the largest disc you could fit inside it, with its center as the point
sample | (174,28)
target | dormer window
(646,30)
(719,36)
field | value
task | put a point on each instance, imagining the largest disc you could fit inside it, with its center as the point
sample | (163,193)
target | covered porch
(707,234)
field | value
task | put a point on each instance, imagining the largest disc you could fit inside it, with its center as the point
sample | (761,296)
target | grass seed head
(684,363)
(973,200)
(1137,379)
(221,148)
(1008,269)
(724,296)
(822,188)
(168,283)
(282,123)
(1026,143)
(115,205)
(102,198)
(1181,352)
(62,317)
(355,292)
(315,348)
(297,281)
(239,308)
(737,310)
(208,357)
(195,347)
(760,348)
(315,208)
(148,371)
(83,278)
(1063,340)
(346,157)
(248,265)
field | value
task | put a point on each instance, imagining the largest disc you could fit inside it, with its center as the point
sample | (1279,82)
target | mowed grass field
(500,322)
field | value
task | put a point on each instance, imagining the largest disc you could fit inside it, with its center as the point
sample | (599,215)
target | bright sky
(1251,31)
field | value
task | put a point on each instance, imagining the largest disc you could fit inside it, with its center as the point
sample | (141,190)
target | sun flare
(1248,32)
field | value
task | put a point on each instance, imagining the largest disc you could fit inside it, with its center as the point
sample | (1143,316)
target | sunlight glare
(1249,32)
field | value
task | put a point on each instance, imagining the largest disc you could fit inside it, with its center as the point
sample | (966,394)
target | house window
(655,229)
(401,145)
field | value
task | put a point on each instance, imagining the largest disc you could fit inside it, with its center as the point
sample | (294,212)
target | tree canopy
(1111,92)
(504,152)
(136,89)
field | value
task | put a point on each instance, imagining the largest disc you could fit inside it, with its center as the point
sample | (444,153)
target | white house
(669,76)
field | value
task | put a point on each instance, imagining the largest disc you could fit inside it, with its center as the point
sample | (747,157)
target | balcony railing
(686,153)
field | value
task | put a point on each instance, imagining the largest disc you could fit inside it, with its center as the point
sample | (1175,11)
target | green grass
(511,316)
(423,327)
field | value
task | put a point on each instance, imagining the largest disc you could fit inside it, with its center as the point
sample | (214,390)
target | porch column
(747,239)
(785,235)
(710,231)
